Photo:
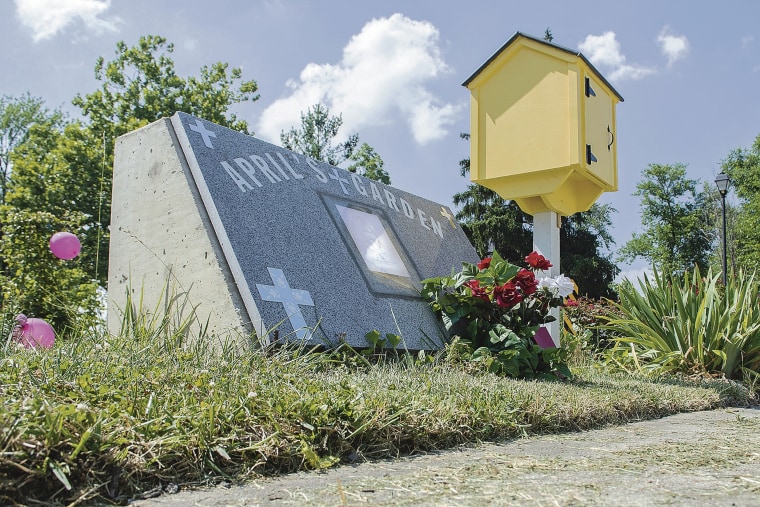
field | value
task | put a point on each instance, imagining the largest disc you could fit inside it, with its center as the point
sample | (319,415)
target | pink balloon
(36,333)
(65,245)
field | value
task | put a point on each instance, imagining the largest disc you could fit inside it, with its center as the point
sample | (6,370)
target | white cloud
(381,75)
(674,47)
(46,18)
(190,44)
(604,51)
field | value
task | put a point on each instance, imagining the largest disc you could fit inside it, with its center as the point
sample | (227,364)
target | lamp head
(722,181)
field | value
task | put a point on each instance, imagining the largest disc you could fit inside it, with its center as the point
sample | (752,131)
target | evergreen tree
(583,239)
(316,135)
(368,163)
(315,138)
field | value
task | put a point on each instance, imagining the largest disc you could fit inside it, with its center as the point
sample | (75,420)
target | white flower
(561,285)
(565,286)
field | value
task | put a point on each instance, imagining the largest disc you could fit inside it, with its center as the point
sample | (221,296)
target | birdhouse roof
(519,35)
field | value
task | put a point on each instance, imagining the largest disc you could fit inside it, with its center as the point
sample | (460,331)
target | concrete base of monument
(162,245)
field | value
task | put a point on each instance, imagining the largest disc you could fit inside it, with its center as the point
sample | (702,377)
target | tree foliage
(743,167)
(141,86)
(678,231)
(58,172)
(17,116)
(39,285)
(583,239)
(316,136)
(64,172)
(368,163)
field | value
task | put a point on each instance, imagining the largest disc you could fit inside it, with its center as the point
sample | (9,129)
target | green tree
(39,285)
(17,116)
(58,172)
(22,232)
(141,86)
(66,173)
(316,135)
(583,238)
(315,138)
(743,167)
(368,163)
(678,230)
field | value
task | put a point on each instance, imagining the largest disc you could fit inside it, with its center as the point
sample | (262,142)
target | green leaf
(60,474)
(315,461)
(221,452)
(480,353)
(373,337)
(393,339)
(469,271)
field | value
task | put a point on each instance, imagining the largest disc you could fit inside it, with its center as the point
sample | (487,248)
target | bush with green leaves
(34,282)
(496,308)
(584,322)
(688,324)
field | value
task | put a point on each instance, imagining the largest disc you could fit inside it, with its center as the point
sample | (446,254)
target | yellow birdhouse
(542,127)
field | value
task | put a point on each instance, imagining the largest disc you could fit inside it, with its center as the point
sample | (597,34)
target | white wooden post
(546,226)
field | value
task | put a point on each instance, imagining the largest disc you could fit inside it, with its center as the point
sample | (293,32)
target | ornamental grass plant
(689,324)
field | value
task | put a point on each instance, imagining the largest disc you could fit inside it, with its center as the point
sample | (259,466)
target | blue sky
(689,70)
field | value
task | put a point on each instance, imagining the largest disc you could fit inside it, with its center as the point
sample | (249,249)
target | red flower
(507,295)
(477,290)
(526,280)
(484,263)
(537,261)
(571,302)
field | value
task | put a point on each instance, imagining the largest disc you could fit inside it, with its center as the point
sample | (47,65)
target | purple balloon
(36,333)
(65,245)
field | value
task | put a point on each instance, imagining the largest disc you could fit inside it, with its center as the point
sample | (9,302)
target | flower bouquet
(494,309)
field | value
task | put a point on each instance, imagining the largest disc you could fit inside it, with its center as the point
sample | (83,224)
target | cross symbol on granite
(281,292)
(343,181)
(445,213)
(206,134)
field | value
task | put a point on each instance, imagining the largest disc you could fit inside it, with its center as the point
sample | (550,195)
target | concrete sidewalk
(707,458)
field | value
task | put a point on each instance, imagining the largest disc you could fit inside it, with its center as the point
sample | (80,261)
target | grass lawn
(103,418)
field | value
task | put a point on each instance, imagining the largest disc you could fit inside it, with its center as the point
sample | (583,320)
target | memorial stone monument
(263,239)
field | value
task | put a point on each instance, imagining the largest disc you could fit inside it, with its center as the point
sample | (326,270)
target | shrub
(584,324)
(496,308)
(688,324)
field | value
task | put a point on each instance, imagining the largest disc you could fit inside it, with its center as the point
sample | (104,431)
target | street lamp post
(722,181)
